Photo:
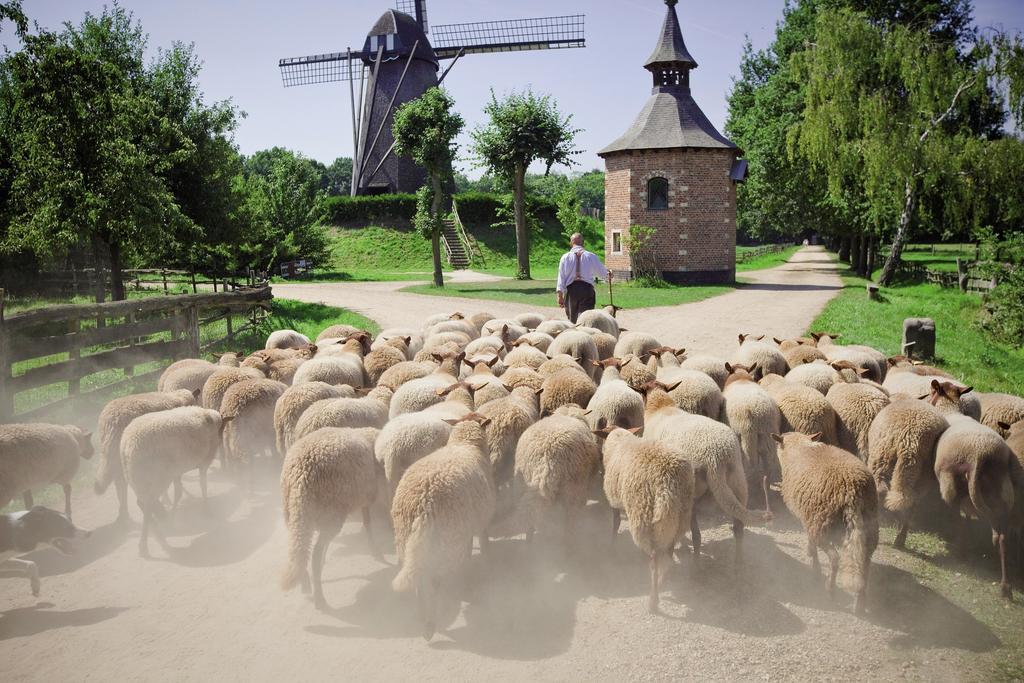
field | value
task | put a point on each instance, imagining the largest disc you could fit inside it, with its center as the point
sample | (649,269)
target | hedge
(475,208)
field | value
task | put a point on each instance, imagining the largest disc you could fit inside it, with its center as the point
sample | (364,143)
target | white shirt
(590,268)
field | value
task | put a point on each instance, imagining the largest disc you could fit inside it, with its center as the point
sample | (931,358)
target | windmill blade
(325,68)
(510,35)
(416,9)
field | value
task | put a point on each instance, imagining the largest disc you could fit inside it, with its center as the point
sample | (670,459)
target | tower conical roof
(670,48)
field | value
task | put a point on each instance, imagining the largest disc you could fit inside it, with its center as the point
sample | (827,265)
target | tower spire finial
(671,3)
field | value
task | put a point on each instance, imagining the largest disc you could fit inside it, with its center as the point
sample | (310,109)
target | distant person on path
(576,273)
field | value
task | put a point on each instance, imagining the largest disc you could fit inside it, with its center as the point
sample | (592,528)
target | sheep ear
(438,357)
(635,430)
(601,423)
(408,340)
(588,412)
(504,328)
(671,387)
(777,341)
(577,359)
(936,386)
(815,436)
(1003,425)
(776,437)
(921,398)
(891,361)
(965,390)
(837,335)
(728,368)
(680,352)
(816,336)
(451,422)
(224,419)
(442,391)
(597,364)
(538,392)
(313,348)
(197,393)
(742,337)
(627,361)
(461,357)
(862,371)
(491,362)
(759,338)
(623,329)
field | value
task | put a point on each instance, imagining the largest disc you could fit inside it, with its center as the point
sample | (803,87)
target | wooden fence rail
(33,336)
(949,280)
(751,254)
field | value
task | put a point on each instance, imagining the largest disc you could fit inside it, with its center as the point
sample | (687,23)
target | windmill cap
(397,32)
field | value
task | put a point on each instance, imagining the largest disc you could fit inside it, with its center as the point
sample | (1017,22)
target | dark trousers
(579,297)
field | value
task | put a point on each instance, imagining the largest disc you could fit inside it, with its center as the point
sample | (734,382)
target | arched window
(657,193)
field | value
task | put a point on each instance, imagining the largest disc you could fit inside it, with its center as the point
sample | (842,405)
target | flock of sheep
(483,427)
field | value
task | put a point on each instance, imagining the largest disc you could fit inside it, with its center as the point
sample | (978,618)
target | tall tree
(523,128)
(884,112)
(339,177)
(425,130)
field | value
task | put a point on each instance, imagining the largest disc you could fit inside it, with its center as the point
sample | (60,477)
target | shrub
(369,208)
(643,258)
(478,208)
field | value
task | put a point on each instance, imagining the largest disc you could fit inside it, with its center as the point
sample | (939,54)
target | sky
(603,86)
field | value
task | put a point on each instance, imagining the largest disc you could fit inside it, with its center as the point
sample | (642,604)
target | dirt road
(212,610)
(780,301)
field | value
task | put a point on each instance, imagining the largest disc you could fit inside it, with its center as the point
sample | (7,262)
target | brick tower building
(672,171)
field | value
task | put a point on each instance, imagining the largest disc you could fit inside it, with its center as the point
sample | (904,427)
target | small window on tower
(616,241)
(657,193)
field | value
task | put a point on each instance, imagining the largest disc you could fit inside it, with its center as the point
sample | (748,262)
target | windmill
(398,63)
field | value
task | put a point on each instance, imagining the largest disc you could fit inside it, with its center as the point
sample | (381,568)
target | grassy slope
(961,348)
(542,293)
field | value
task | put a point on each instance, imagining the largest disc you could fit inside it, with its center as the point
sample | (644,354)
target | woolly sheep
(802,409)
(393,352)
(634,372)
(436,342)
(863,356)
(284,370)
(414,344)
(558,362)
(801,354)
(856,406)
(566,386)
(525,355)
(636,343)
(554,327)
(694,391)
(555,460)
(479,319)
(484,345)
(344,369)
(509,330)
(600,319)
(178,365)
(326,476)
(219,382)
(231,359)
(442,502)
(399,374)
(366,411)
(487,385)
(904,364)
(653,484)
(901,454)
(417,394)
(338,332)
(580,346)
(522,377)
(750,411)
(972,464)
(833,495)
(459,326)
(34,454)
(248,410)
(713,450)
(614,401)
(760,356)
(665,357)
(294,401)
(817,375)
(508,418)
(192,377)
(157,448)
(286,339)
(114,418)
(996,408)
(530,320)
(538,340)
(408,438)
(604,342)
(921,385)
(712,366)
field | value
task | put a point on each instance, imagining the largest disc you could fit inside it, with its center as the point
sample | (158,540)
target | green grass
(961,348)
(542,293)
(765,260)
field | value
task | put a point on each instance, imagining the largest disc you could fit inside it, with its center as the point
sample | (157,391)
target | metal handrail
(470,246)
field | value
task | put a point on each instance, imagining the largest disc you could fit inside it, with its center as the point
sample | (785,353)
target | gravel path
(781,301)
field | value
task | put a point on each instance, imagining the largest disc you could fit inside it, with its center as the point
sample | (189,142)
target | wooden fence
(751,254)
(949,280)
(109,336)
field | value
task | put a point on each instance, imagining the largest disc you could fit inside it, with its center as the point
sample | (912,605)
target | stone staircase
(458,259)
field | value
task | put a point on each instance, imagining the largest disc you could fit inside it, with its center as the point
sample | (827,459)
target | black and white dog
(21,532)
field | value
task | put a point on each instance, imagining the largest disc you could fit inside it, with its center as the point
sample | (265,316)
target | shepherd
(576,274)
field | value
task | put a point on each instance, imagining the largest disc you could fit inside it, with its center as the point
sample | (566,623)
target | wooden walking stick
(611,300)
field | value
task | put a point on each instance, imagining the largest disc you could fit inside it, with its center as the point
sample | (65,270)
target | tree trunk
(909,201)
(864,249)
(844,249)
(522,233)
(855,253)
(871,249)
(435,234)
(116,281)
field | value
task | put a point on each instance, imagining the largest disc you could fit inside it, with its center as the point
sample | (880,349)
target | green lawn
(961,348)
(766,260)
(542,293)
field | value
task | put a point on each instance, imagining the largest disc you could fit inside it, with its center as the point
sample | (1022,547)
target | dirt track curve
(212,610)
